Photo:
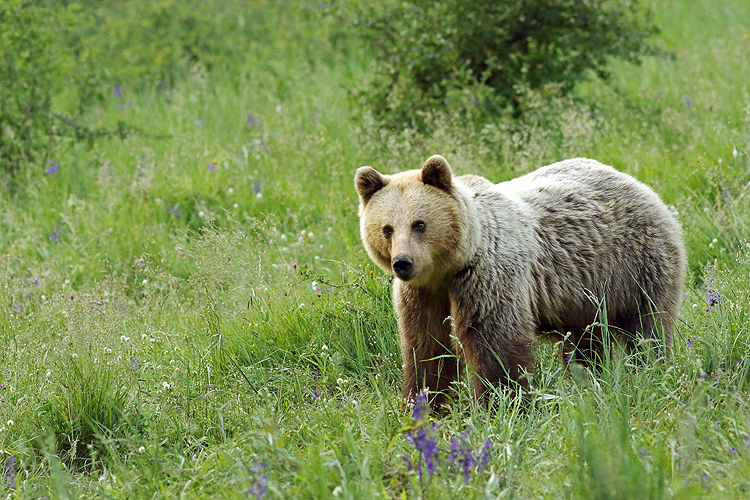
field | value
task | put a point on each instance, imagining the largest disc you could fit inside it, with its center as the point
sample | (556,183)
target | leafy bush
(456,53)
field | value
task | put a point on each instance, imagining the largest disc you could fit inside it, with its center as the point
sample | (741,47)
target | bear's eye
(419,226)
(387,231)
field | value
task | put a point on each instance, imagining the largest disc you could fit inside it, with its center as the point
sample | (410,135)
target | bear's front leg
(495,330)
(424,328)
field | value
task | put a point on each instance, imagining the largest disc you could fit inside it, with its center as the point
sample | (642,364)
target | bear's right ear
(368,182)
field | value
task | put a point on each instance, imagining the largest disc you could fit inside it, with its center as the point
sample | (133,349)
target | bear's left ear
(368,181)
(436,172)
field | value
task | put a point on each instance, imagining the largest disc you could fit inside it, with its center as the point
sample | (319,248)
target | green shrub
(458,54)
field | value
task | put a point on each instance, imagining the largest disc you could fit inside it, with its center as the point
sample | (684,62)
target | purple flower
(484,456)
(703,376)
(211,166)
(173,210)
(420,409)
(52,168)
(687,101)
(118,91)
(733,451)
(251,120)
(462,455)
(746,439)
(10,471)
(315,395)
(258,489)
(688,342)
(425,444)
(55,236)
(199,122)
(713,298)
(2,387)
(474,100)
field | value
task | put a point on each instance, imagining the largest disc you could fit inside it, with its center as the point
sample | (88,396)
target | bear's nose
(402,266)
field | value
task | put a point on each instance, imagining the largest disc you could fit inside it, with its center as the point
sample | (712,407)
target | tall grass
(189,311)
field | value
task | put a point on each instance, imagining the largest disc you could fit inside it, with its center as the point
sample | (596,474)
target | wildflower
(142,449)
(474,101)
(257,189)
(484,456)
(688,342)
(703,376)
(199,123)
(315,395)
(735,153)
(117,91)
(324,348)
(211,166)
(733,451)
(258,489)
(173,210)
(687,101)
(746,439)
(461,454)
(52,168)
(425,444)
(713,299)
(251,120)
(10,471)
(420,409)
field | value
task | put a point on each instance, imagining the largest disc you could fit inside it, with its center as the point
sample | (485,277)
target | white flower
(165,385)
(230,191)
(10,422)
(339,380)
(144,282)
(201,214)
(142,449)
(314,285)
(278,108)
(735,153)
(338,490)
(236,205)
(311,235)
(325,347)
(124,338)
(43,298)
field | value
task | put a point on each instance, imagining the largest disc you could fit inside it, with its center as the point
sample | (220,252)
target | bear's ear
(436,172)
(368,182)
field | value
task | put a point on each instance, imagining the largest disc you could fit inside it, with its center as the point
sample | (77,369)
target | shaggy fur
(482,269)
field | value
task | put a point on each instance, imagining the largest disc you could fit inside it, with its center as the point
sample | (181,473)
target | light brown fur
(482,269)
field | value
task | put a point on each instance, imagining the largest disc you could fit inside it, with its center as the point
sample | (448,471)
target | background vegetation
(186,309)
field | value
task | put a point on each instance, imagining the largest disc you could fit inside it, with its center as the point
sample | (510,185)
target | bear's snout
(403,267)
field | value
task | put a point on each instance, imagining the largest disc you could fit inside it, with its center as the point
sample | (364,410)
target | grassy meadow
(187,310)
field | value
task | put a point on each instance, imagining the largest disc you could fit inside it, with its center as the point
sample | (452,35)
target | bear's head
(415,224)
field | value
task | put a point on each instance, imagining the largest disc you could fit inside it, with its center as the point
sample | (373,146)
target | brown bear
(575,250)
